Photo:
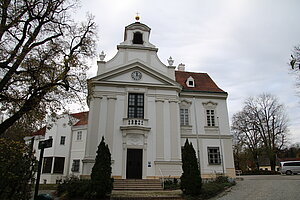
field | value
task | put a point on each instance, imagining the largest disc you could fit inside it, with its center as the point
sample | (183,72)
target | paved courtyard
(275,187)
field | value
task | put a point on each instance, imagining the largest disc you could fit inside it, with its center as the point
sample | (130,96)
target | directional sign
(45,144)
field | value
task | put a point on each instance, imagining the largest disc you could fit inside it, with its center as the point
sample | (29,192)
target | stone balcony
(135,124)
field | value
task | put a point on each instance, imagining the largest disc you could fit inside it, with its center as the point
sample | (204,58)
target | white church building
(145,110)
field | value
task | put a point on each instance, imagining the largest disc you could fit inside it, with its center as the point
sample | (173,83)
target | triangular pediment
(135,73)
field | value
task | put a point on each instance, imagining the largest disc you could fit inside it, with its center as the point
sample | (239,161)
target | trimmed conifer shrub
(191,181)
(101,181)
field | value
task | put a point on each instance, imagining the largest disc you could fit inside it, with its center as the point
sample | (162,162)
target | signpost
(42,145)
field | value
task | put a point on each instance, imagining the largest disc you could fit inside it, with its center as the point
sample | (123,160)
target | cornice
(139,47)
(208,95)
(124,84)
(205,136)
(162,162)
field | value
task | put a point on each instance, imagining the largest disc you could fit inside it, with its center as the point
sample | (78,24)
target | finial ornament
(137,17)
(102,56)
(170,61)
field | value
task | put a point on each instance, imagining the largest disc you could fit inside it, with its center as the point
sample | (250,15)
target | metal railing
(162,177)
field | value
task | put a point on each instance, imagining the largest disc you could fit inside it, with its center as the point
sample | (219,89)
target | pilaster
(159,130)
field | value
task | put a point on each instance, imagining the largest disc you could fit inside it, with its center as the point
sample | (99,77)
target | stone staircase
(137,184)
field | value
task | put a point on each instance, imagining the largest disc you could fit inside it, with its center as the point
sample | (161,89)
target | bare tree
(262,123)
(295,58)
(295,64)
(246,135)
(43,57)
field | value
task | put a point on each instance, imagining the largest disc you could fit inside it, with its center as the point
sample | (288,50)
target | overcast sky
(244,45)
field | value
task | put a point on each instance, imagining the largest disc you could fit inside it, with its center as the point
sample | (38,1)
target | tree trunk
(255,158)
(273,162)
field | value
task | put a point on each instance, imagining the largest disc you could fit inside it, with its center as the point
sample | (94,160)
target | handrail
(162,177)
(238,172)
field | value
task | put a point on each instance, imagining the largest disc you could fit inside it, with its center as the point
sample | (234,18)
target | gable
(136,73)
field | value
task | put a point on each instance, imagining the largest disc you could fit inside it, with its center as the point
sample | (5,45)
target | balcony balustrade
(135,122)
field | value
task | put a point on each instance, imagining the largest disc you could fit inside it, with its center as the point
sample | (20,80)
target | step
(137,184)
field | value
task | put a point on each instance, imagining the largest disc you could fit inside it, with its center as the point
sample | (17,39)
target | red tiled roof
(203,82)
(82,116)
(42,131)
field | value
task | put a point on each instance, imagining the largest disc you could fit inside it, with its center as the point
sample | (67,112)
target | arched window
(137,38)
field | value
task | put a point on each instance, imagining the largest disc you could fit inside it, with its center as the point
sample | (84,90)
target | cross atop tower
(137,17)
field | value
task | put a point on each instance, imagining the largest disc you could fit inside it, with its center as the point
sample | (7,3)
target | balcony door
(136,105)
(134,166)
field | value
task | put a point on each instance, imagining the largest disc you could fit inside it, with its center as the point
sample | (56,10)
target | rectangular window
(47,164)
(62,140)
(214,155)
(59,164)
(79,135)
(210,116)
(136,106)
(75,166)
(184,117)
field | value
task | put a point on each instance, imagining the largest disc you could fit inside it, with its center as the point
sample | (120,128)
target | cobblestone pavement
(276,187)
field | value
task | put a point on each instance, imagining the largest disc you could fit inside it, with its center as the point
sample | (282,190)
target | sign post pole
(42,145)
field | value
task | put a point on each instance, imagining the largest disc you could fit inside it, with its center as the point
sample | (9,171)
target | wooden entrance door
(134,164)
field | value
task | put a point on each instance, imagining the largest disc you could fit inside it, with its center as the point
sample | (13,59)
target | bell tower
(137,35)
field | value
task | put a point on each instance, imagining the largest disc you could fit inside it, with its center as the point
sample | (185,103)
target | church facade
(146,110)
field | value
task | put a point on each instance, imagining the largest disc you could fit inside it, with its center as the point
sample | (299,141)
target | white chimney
(181,67)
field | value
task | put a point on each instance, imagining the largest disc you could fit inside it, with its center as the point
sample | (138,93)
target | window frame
(184,117)
(190,82)
(211,117)
(57,168)
(214,158)
(47,164)
(75,168)
(134,109)
(79,133)
(62,140)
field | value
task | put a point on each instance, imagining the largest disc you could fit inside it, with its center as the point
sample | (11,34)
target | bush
(17,169)
(171,184)
(101,183)
(221,179)
(74,187)
(211,189)
(260,172)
